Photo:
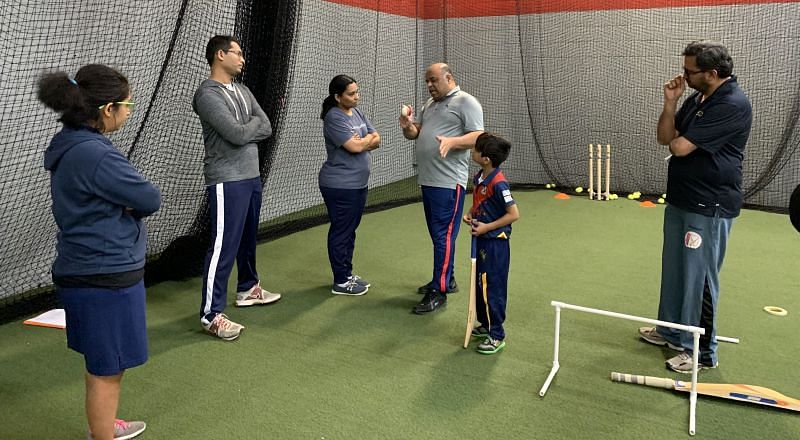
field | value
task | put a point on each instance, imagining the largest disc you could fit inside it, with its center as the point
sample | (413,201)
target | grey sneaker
(224,328)
(350,287)
(124,430)
(682,363)
(651,335)
(360,281)
(490,346)
(256,295)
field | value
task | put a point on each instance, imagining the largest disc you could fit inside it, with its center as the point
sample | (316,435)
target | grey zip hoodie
(233,123)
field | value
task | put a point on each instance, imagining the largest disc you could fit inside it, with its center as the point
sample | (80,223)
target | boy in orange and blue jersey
(493,211)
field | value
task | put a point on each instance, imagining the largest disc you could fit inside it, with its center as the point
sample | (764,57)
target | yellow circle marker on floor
(777,311)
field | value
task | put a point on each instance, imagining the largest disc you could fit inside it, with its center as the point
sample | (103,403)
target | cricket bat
(472,287)
(732,391)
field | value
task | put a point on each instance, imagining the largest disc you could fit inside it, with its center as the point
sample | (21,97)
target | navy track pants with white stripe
(234,209)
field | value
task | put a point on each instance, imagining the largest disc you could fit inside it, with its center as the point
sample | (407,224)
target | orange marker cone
(647,204)
(561,196)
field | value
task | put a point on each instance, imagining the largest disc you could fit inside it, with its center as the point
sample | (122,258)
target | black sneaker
(480,332)
(452,287)
(431,302)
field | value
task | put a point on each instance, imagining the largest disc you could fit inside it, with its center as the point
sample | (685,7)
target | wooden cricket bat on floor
(732,391)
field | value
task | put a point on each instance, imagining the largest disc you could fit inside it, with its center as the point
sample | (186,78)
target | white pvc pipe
(727,339)
(556,365)
(696,332)
(693,393)
(686,328)
(550,377)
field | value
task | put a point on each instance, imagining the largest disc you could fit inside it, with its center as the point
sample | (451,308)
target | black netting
(552,76)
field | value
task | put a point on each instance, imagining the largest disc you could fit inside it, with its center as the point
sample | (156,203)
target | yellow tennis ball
(663,196)
(661,200)
(579,189)
(630,196)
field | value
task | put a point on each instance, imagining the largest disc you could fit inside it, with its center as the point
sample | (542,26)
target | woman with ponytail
(349,137)
(99,200)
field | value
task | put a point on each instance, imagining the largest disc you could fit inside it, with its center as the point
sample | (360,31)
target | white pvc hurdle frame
(696,332)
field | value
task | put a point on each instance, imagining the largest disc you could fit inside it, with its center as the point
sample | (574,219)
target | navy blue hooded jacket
(99,200)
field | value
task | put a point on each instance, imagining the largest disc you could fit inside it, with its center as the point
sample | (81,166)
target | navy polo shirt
(709,179)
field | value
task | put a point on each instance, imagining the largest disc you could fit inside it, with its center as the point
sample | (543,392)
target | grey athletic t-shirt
(343,169)
(233,124)
(456,114)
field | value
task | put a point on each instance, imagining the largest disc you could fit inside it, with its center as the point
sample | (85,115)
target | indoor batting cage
(552,77)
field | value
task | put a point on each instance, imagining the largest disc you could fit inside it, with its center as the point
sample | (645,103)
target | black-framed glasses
(238,53)
(687,72)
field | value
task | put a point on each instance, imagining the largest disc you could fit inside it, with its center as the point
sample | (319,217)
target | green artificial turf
(320,366)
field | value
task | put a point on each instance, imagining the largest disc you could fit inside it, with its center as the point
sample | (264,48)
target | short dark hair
(494,147)
(78,99)
(218,43)
(710,55)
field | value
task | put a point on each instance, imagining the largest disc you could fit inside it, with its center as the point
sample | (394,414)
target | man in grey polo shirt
(445,129)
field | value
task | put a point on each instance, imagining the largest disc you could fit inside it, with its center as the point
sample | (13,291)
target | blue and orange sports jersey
(490,198)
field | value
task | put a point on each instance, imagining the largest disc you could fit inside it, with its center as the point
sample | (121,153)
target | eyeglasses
(238,53)
(687,72)
(130,104)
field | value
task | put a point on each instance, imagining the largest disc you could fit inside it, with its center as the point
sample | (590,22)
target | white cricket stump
(696,332)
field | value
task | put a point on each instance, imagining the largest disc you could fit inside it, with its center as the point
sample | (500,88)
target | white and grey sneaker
(652,336)
(682,363)
(350,287)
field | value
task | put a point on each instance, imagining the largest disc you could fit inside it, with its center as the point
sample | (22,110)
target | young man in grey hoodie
(233,123)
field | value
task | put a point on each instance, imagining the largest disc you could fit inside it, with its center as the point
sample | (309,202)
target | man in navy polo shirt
(706,137)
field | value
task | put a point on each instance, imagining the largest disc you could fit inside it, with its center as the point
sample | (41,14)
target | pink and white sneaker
(256,295)
(124,430)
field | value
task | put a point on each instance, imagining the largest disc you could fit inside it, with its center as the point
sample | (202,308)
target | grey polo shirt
(454,115)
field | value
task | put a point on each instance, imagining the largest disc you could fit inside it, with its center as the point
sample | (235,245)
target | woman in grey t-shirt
(349,137)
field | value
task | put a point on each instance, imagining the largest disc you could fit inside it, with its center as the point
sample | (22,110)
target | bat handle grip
(658,382)
(473,251)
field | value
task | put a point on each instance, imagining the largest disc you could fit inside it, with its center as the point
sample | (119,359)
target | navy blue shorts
(107,326)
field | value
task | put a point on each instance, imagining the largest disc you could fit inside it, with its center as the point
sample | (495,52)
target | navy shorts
(107,326)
